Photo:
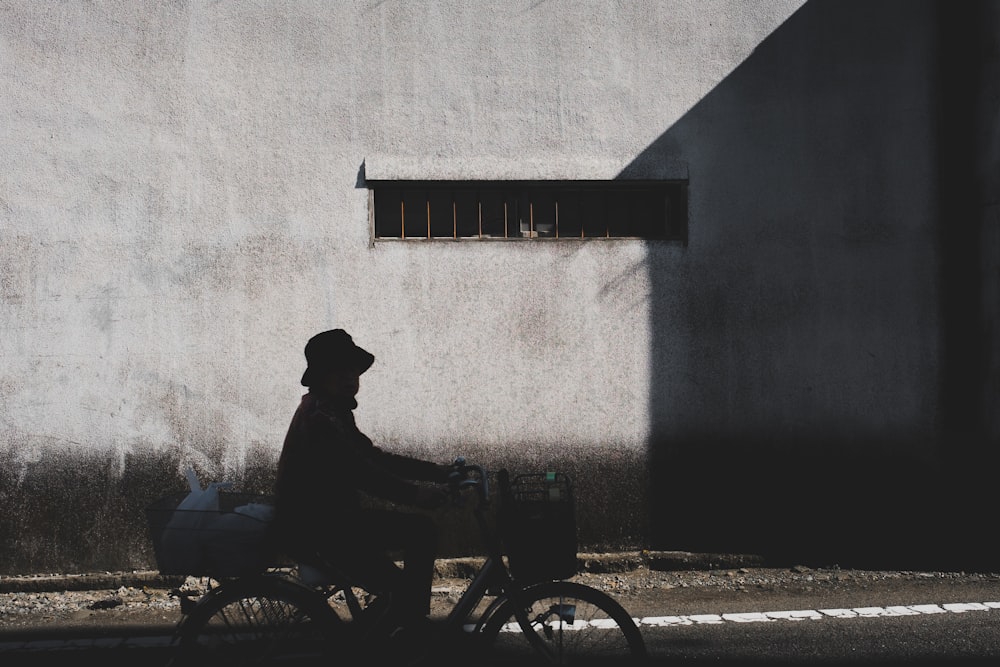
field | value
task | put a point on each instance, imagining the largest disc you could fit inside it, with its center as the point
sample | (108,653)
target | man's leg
(416,535)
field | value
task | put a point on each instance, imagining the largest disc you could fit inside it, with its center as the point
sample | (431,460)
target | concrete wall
(184,204)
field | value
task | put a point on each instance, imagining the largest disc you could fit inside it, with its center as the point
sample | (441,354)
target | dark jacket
(326,464)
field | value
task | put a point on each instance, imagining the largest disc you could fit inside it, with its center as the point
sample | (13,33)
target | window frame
(673,228)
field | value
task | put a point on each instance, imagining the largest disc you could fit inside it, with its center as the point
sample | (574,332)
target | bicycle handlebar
(467,476)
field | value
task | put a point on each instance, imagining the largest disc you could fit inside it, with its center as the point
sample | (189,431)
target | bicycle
(507,612)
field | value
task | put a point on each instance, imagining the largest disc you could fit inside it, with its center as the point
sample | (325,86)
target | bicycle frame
(493,572)
(232,608)
(492,575)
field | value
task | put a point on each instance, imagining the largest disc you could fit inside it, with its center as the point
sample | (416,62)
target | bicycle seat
(314,576)
(316,571)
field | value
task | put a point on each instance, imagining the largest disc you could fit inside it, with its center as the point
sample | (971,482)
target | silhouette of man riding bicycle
(327,467)
(318,581)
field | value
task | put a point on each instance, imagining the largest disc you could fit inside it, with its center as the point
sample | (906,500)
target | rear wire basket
(538,526)
(233,541)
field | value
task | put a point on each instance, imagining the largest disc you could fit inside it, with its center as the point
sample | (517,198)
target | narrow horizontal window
(529,210)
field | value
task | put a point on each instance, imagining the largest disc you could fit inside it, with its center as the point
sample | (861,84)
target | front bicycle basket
(231,541)
(538,527)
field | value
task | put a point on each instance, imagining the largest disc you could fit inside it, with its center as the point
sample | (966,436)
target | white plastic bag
(236,543)
(259,511)
(182,549)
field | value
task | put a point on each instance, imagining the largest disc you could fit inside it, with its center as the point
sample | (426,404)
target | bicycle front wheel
(570,623)
(258,621)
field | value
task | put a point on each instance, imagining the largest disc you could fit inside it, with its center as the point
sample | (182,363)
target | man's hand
(444,473)
(430,497)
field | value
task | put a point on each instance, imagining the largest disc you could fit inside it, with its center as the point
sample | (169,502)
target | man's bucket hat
(333,350)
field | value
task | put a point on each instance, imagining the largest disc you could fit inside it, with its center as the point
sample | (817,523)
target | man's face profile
(342,383)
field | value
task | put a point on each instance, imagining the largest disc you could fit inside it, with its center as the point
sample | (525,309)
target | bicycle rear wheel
(258,621)
(571,623)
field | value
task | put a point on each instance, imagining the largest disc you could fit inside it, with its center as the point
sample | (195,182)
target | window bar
(531,219)
(557,218)
(428,200)
(505,217)
(608,233)
(402,216)
(479,205)
(607,217)
(454,217)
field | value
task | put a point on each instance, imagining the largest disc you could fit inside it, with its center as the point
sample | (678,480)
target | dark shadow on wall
(817,362)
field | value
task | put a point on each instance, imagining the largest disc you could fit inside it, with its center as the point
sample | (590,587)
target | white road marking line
(816,614)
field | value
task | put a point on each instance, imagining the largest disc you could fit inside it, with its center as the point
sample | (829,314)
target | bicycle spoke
(260,623)
(569,623)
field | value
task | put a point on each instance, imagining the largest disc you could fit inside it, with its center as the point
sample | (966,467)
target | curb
(445,568)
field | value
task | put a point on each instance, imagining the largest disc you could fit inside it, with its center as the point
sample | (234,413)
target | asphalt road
(721,616)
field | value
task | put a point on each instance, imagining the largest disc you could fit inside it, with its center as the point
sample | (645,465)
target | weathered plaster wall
(183,205)
(181,213)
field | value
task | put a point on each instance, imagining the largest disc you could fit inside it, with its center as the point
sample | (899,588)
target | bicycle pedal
(186,603)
